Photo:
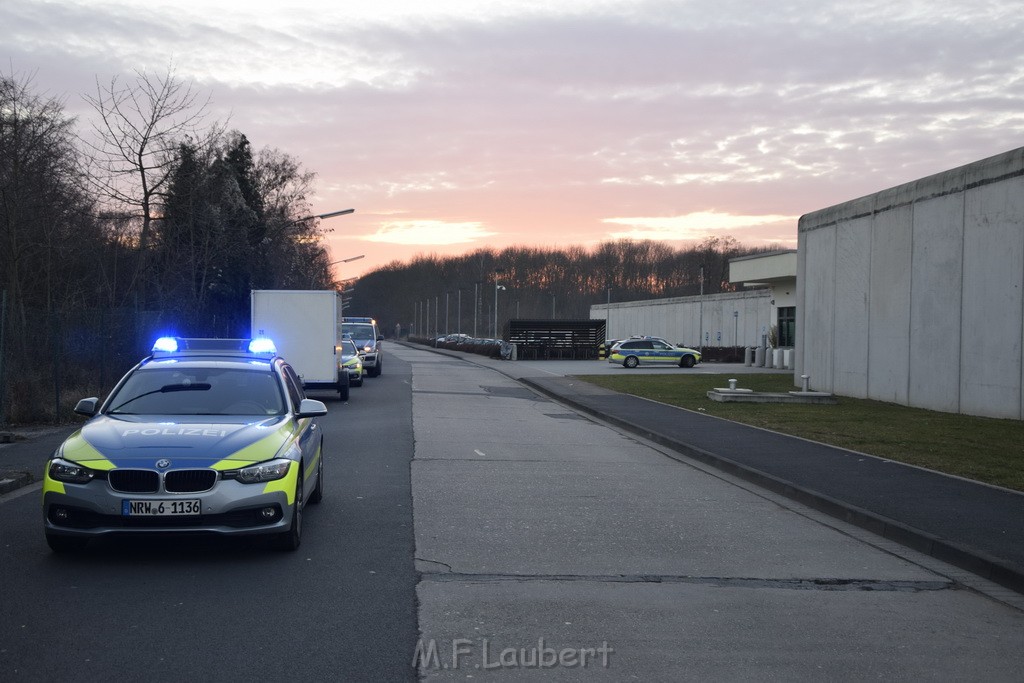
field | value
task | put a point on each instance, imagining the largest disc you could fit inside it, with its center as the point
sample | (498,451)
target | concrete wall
(679,319)
(915,295)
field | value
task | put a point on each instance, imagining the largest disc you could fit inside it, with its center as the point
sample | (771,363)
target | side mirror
(311,408)
(380,337)
(88,406)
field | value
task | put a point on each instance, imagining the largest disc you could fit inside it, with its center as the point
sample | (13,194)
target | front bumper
(229,508)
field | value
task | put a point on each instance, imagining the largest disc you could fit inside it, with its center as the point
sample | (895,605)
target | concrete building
(741,318)
(775,271)
(732,319)
(915,294)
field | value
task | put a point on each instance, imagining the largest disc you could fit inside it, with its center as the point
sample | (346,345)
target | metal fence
(49,360)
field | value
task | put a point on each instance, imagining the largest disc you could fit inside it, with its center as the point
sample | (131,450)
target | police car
(652,351)
(366,335)
(352,361)
(204,435)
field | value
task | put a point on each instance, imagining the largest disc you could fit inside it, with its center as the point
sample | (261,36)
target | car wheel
(343,393)
(65,544)
(289,541)
(357,382)
(318,492)
(687,362)
(631,362)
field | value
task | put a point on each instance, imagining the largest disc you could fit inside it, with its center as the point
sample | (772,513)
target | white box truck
(303,324)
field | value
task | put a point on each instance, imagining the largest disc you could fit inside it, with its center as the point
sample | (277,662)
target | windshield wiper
(166,389)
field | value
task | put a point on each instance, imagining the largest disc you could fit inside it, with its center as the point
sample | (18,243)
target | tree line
(147,220)
(150,220)
(433,295)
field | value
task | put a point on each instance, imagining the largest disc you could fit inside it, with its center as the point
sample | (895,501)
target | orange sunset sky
(454,125)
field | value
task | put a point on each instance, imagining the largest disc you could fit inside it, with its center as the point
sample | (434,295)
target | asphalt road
(341,608)
(492,534)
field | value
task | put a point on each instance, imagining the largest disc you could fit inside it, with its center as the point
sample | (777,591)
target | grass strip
(980,448)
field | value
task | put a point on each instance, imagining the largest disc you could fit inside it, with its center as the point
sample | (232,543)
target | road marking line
(480,453)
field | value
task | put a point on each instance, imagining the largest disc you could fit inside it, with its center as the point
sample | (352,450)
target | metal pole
(458,316)
(426,324)
(446,330)
(495,307)
(3,319)
(552,306)
(700,329)
(476,285)
(608,314)
(437,317)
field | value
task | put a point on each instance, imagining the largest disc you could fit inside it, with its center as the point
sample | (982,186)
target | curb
(955,554)
(11,480)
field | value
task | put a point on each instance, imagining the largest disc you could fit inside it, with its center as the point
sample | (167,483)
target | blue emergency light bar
(260,346)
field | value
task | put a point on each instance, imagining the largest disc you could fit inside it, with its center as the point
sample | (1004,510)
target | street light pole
(496,288)
(700,329)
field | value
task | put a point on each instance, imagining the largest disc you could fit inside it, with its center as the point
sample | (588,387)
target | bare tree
(136,136)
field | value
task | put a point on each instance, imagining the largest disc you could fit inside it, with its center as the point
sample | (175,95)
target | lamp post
(608,315)
(345,260)
(497,273)
(496,288)
(700,329)
(458,316)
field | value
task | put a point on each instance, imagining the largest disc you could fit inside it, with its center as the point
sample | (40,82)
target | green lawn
(979,448)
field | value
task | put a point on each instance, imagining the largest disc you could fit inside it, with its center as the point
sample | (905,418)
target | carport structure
(556,339)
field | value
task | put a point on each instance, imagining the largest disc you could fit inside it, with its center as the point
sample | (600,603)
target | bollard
(759,357)
(748,356)
(807,382)
(732,385)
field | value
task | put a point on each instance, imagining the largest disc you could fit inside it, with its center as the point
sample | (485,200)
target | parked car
(635,351)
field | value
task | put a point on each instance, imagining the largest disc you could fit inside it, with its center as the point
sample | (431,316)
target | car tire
(290,540)
(375,370)
(687,361)
(318,491)
(343,393)
(66,544)
(631,362)
(357,382)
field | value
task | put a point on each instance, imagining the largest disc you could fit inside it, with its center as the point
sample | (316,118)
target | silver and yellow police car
(204,435)
(637,351)
(352,361)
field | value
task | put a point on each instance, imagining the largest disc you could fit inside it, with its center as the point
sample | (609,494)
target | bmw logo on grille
(163,464)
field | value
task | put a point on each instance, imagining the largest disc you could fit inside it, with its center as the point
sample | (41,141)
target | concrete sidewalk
(971,525)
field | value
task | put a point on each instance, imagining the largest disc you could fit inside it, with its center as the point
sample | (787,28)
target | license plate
(161,508)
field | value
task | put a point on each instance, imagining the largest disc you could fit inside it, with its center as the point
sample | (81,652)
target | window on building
(787,326)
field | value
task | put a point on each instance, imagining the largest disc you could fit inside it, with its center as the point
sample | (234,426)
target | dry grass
(984,449)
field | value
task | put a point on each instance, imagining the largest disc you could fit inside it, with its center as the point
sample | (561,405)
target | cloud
(537,119)
(690,226)
(428,232)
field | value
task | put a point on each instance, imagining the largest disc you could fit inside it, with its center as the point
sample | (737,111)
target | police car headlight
(265,471)
(62,470)
(368,348)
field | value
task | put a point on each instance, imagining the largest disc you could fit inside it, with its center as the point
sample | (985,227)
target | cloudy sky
(455,124)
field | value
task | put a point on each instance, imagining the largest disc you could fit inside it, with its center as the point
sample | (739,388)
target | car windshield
(348,347)
(198,391)
(358,331)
